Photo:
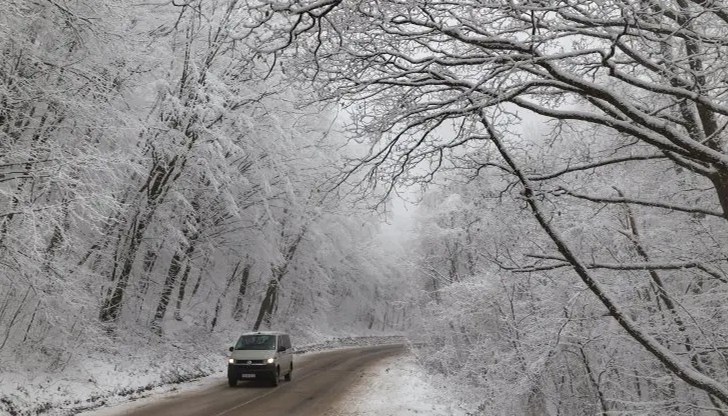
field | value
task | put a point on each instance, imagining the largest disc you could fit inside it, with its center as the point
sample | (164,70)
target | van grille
(249,362)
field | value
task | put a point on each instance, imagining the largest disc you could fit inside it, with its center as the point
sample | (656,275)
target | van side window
(286,341)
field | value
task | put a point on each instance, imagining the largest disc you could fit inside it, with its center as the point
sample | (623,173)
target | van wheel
(289,374)
(276,377)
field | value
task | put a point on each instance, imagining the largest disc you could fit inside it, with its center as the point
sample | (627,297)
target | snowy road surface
(318,381)
(397,386)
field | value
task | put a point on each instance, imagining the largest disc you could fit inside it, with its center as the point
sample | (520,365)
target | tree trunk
(169,282)
(57,237)
(111,306)
(720,183)
(190,235)
(148,263)
(594,382)
(218,307)
(181,292)
(14,318)
(30,324)
(238,308)
(267,307)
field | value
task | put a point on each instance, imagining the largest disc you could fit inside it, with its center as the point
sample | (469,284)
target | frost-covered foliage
(162,184)
(508,321)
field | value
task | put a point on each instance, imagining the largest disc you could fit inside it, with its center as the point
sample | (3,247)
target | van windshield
(256,342)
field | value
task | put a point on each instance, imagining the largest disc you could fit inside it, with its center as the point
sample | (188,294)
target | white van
(260,355)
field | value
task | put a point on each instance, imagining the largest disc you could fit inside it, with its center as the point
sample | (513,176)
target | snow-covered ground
(397,386)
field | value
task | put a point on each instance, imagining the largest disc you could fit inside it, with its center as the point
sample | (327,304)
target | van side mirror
(282,348)
(232,349)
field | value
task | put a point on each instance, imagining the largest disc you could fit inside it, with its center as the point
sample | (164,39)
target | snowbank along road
(319,381)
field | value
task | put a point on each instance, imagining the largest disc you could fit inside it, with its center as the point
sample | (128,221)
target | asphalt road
(319,381)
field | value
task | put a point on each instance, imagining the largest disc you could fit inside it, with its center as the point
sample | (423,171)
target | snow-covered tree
(161,184)
(608,117)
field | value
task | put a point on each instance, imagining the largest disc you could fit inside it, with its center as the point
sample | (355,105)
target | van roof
(264,333)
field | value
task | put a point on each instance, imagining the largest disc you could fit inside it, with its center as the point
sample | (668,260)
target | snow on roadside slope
(396,386)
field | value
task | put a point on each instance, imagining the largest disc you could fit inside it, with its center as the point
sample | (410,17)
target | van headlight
(231,360)
(271,360)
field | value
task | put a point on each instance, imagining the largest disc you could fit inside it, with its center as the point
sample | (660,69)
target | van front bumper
(251,372)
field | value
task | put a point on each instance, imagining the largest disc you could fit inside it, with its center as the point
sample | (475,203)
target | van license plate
(247,376)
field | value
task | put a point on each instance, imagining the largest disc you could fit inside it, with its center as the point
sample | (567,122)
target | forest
(172,172)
